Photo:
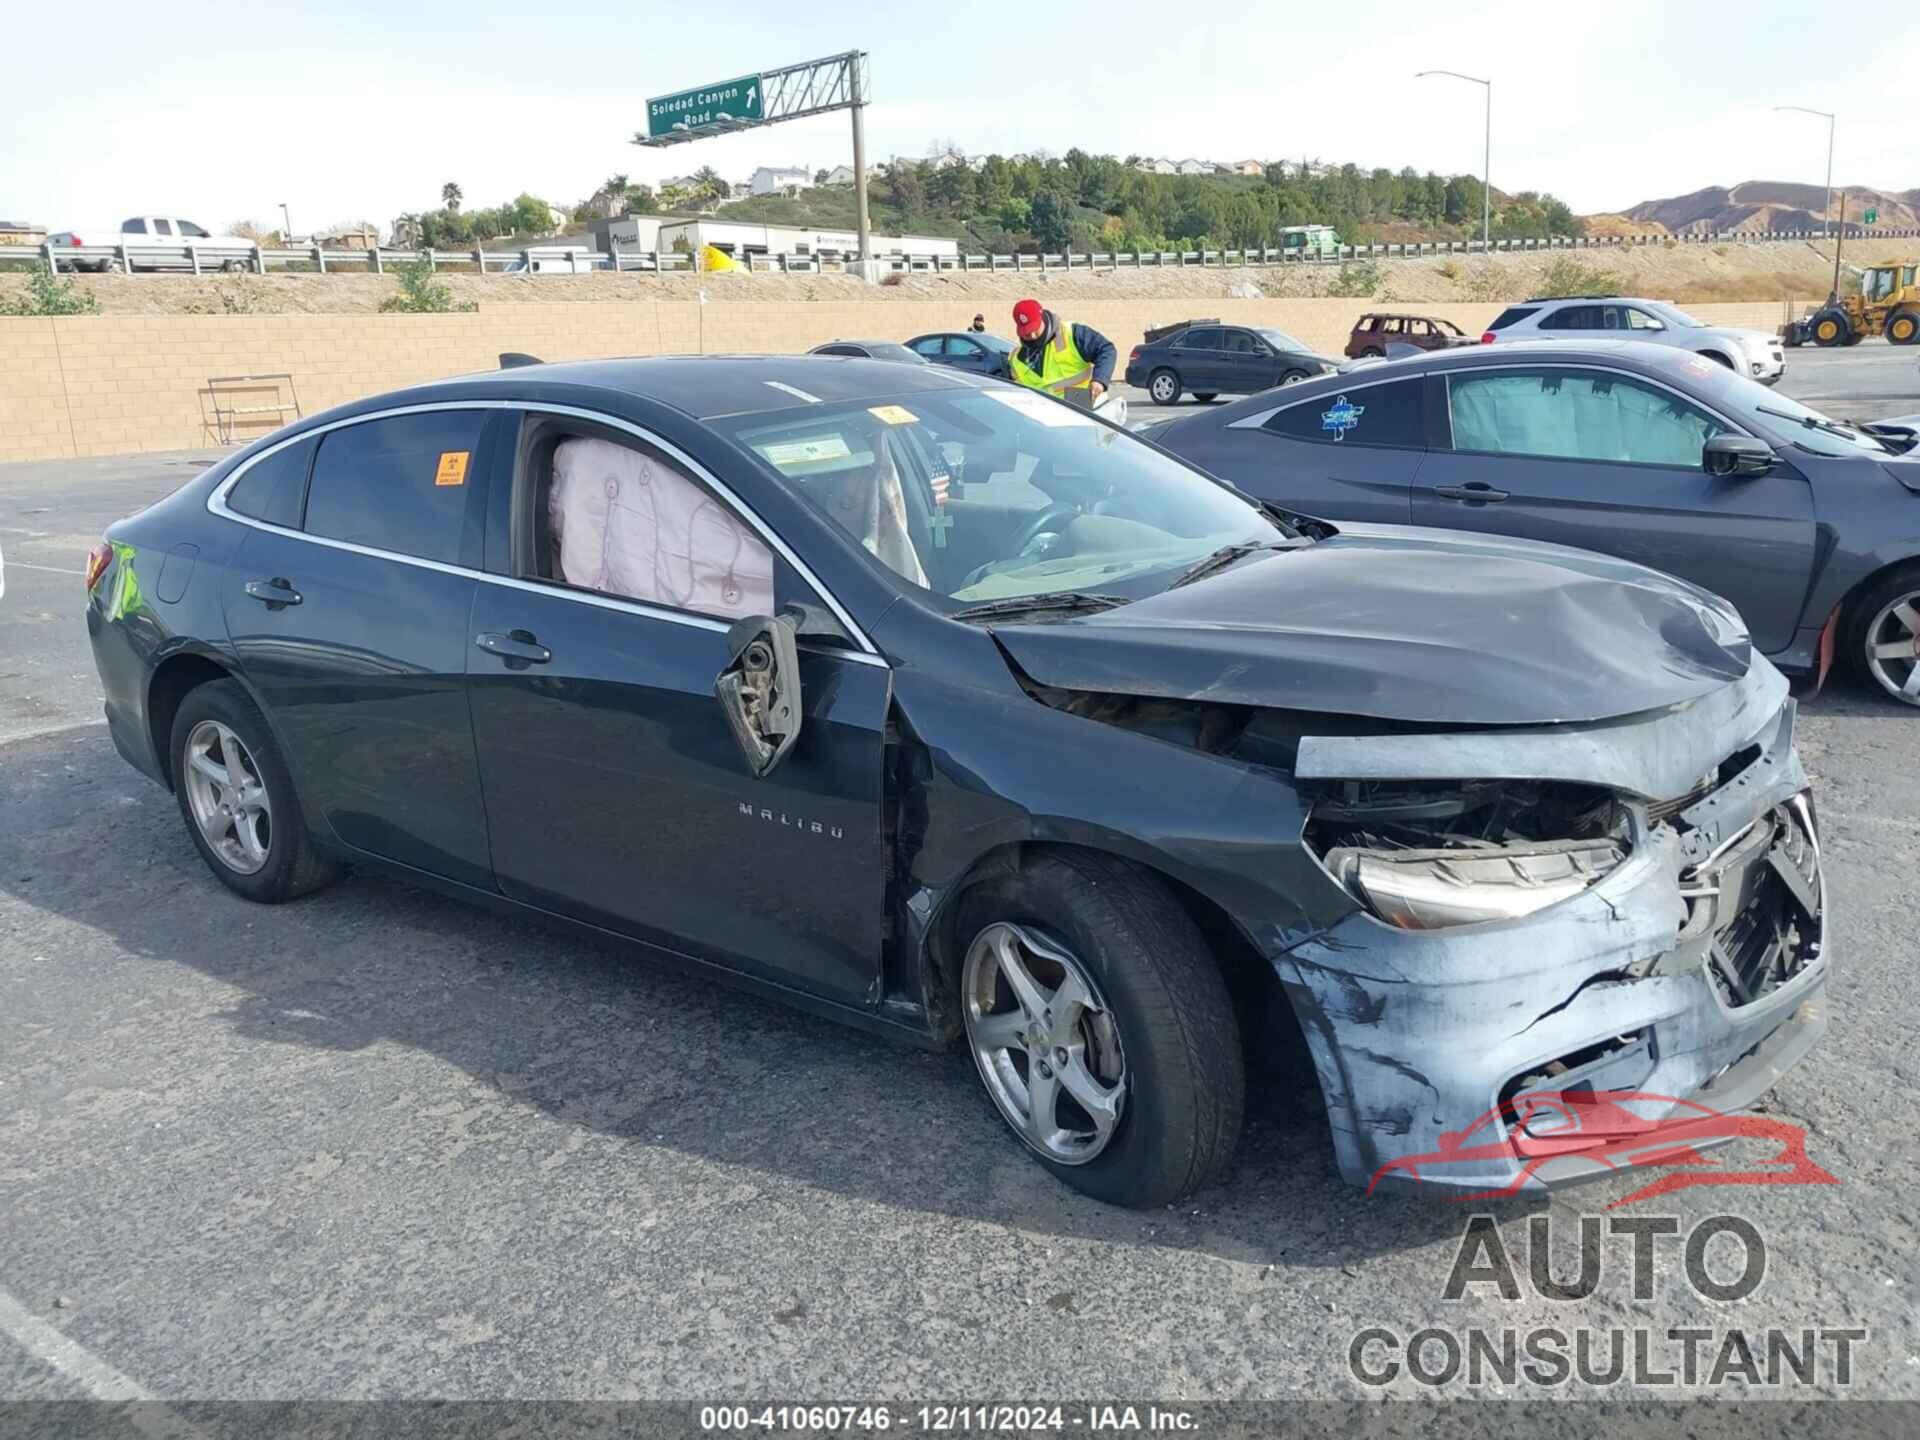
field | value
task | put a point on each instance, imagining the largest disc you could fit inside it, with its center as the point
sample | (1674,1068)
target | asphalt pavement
(1869,381)
(379,1144)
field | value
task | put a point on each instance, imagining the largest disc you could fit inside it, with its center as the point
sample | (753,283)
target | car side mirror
(759,690)
(1736,457)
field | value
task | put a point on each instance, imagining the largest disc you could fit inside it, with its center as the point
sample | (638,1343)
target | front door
(351,624)
(615,790)
(1602,461)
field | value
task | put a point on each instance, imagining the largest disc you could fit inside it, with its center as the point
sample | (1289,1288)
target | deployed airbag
(628,524)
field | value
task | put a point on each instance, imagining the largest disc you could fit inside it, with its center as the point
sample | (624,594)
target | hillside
(1773,205)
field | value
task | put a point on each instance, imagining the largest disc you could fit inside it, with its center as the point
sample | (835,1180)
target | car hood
(1426,626)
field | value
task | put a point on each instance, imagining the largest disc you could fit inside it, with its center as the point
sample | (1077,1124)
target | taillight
(98,558)
(1487,339)
(1133,356)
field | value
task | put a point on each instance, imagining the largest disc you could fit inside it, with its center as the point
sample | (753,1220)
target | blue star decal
(1344,416)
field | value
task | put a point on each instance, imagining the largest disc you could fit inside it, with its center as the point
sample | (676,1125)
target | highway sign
(731,100)
(1871,216)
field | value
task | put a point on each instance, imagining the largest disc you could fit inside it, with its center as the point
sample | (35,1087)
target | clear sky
(363,108)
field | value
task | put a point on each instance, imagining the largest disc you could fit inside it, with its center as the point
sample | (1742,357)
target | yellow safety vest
(1062,366)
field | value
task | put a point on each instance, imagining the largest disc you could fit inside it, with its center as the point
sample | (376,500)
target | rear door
(614,787)
(1607,461)
(1348,454)
(1198,358)
(348,605)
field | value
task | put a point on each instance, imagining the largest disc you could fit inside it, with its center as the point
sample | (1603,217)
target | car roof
(707,386)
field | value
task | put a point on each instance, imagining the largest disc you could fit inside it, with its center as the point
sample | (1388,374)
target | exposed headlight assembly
(1432,889)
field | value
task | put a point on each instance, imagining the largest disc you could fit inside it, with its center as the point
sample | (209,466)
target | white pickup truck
(153,242)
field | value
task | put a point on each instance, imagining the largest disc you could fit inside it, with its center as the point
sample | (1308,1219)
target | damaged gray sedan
(952,712)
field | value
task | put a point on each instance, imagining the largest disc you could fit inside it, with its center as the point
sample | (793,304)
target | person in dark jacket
(1059,358)
(979,326)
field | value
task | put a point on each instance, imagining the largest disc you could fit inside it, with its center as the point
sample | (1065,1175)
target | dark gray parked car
(970,350)
(1214,359)
(1810,526)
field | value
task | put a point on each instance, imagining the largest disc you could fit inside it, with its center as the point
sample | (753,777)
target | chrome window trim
(867,654)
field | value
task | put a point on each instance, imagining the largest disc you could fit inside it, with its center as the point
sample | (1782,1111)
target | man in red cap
(1074,362)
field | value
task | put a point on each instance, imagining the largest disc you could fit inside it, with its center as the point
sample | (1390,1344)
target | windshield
(988,494)
(1280,340)
(1772,413)
(1673,315)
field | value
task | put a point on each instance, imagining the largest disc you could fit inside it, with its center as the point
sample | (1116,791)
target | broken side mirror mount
(1736,457)
(760,688)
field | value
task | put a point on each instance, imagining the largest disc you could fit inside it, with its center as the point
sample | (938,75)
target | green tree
(1052,220)
(451,196)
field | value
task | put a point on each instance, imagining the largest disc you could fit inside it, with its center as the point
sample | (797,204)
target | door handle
(518,645)
(1474,492)
(274,592)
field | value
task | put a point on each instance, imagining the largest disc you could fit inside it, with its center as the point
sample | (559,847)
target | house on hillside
(1246,167)
(19,232)
(1193,167)
(780,180)
(841,175)
(360,236)
(1151,166)
(946,159)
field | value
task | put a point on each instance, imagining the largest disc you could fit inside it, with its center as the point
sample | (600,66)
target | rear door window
(398,484)
(1203,338)
(133,227)
(1572,317)
(162,227)
(1384,415)
(274,489)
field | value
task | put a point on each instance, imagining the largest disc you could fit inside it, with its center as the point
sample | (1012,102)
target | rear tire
(1164,387)
(1903,327)
(249,826)
(1160,1029)
(1829,328)
(1882,634)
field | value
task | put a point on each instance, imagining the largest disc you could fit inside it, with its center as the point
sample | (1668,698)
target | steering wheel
(1051,518)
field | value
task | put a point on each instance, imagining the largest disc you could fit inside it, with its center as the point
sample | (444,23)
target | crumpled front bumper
(1419,1037)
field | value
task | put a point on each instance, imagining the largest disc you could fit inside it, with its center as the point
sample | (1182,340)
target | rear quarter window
(274,489)
(398,484)
(1513,315)
(1390,415)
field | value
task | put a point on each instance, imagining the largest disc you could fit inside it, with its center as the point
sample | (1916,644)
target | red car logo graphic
(1604,1130)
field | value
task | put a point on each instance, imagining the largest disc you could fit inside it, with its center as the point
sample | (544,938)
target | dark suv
(1372,334)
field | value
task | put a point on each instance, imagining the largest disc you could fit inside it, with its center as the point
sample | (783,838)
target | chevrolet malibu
(947,710)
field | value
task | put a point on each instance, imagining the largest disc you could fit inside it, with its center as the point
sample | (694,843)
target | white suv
(1752,353)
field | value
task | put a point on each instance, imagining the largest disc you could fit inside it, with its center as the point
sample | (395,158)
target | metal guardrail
(198,259)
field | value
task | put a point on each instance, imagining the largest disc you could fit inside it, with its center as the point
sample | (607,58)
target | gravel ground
(378,1144)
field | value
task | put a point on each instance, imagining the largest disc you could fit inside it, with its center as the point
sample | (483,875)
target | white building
(1193,167)
(780,179)
(740,240)
(1152,166)
(840,175)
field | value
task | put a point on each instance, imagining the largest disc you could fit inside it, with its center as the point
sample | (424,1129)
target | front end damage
(1633,907)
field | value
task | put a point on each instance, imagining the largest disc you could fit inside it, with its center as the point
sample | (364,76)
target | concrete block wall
(116,384)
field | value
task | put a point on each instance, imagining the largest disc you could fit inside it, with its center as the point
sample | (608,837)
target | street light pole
(288,221)
(856,83)
(1486,168)
(1830,129)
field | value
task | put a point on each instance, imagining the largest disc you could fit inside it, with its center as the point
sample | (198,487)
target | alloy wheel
(228,797)
(1047,1046)
(1893,648)
(1163,389)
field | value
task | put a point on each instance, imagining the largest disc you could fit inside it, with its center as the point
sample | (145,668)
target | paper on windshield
(1050,413)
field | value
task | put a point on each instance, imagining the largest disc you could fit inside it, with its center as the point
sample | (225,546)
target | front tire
(1206,397)
(1293,377)
(1903,327)
(237,797)
(1164,387)
(1883,634)
(1102,1028)
(1718,358)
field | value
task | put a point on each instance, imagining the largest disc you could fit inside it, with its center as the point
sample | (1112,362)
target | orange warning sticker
(453,468)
